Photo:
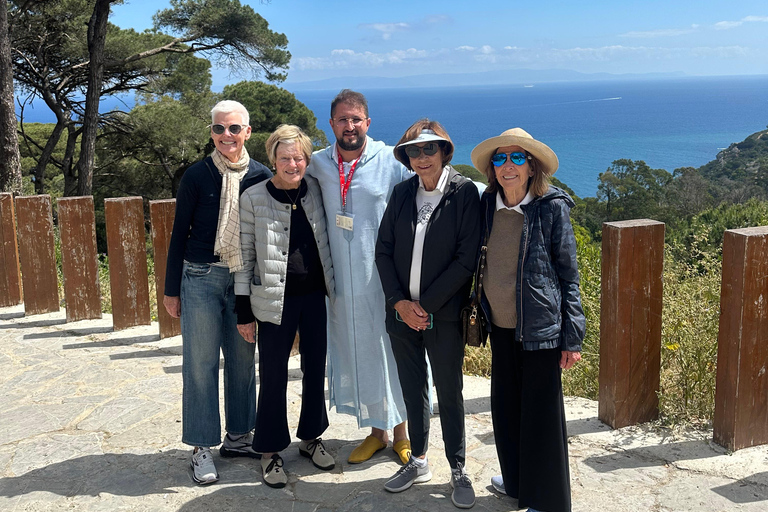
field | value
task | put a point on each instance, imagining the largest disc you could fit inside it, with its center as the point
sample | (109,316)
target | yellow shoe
(365,451)
(403,450)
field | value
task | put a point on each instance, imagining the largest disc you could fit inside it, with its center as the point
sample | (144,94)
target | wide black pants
(307,314)
(529,423)
(445,347)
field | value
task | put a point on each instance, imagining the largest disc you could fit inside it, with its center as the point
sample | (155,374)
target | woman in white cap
(425,255)
(530,298)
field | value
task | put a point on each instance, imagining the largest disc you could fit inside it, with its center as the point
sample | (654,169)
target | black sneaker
(240,446)
(408,475)
(463,495)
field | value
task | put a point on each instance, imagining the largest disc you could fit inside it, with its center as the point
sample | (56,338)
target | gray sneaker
(239,446)
(203,469)
(408,475)
(463,495)
(273,473)
(315,451)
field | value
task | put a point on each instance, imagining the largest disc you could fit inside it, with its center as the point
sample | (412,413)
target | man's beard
(351,146)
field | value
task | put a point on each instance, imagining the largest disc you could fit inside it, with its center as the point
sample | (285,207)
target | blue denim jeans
(208,327)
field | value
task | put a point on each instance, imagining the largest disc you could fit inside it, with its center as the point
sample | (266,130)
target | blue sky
(400,38)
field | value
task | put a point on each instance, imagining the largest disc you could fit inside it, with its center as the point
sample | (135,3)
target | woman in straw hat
(531,301)
(425,254)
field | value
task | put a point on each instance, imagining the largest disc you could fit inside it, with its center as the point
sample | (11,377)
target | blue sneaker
(498,483)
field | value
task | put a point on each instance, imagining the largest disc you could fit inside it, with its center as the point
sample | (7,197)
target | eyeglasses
(516,157)
(429,149)
(343,121)
(234,129)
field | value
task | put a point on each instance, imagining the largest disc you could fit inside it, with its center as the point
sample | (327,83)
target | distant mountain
(510,76)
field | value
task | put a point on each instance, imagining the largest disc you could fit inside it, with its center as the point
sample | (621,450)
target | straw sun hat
(481,155)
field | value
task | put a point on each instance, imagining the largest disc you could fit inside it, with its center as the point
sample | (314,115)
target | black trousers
(445,347)
(529,423)
(307,314)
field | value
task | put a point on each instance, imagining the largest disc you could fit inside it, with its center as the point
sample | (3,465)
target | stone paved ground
(90,420)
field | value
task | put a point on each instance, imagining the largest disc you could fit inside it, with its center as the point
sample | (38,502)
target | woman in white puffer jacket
(287,274)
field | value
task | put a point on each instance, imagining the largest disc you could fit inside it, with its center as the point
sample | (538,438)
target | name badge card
(344,221)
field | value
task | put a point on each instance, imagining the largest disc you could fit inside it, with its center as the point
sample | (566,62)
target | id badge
(344,221)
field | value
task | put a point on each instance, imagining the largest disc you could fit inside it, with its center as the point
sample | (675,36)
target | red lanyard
(344,183)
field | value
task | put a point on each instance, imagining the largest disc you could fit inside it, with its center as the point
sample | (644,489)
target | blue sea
(667,123)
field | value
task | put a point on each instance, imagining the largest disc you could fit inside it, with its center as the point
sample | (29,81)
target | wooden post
(128,277)
(161,214)
(10,278)
(79,259)
(741,395)
(630,322)
(37,254)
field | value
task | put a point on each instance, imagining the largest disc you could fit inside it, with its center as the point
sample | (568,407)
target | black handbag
(473,329)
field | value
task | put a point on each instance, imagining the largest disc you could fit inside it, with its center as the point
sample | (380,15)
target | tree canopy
(57,48)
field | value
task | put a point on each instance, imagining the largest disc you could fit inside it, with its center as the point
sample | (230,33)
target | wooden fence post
(162,213)
(37,254)
(741,395)
(79,259)
(10,278)
(128,277)
(630,321)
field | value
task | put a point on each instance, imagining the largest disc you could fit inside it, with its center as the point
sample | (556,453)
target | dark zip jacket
(197,217)
(549,312)
(450,246)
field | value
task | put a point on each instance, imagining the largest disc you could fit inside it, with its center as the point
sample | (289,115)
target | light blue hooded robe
(362,374)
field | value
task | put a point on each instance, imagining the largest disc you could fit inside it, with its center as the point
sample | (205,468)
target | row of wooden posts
(630,318)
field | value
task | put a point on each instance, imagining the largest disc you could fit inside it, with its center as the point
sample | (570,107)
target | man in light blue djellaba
(356,176)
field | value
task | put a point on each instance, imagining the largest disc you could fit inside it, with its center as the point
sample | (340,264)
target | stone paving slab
(90,419)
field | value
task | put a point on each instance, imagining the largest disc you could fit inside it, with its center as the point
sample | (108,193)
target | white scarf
(227,246)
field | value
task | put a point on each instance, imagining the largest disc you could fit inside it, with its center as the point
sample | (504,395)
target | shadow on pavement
(649,456)
(36,323)
(744,490)
(85,331)
(240,486)
(91,475)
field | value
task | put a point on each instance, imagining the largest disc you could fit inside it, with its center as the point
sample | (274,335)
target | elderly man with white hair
(203,255)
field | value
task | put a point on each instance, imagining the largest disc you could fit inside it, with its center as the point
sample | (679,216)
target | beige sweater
(500,278)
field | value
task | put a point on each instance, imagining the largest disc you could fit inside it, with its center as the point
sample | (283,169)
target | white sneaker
(203,469)
(239,446)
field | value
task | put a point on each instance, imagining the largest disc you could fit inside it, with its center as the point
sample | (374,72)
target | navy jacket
(549,312)
(450,247)
(197,217)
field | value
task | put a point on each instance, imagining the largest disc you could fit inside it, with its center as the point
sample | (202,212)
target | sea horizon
(668,123)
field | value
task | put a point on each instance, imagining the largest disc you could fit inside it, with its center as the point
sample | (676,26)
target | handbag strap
(480,270)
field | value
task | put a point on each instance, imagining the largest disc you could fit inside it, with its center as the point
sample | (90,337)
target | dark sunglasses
(517,158)
(234,129)
(429,149)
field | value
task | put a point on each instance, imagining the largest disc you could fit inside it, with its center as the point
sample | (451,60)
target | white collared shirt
(426,202)
(500,202)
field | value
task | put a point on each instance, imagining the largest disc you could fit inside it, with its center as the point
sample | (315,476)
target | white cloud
(387,29)
(664,32)
(411,60)
(725,25)
(437,19)
(345,59)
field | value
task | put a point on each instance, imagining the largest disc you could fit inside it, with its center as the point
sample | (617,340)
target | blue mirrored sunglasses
(516,157)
